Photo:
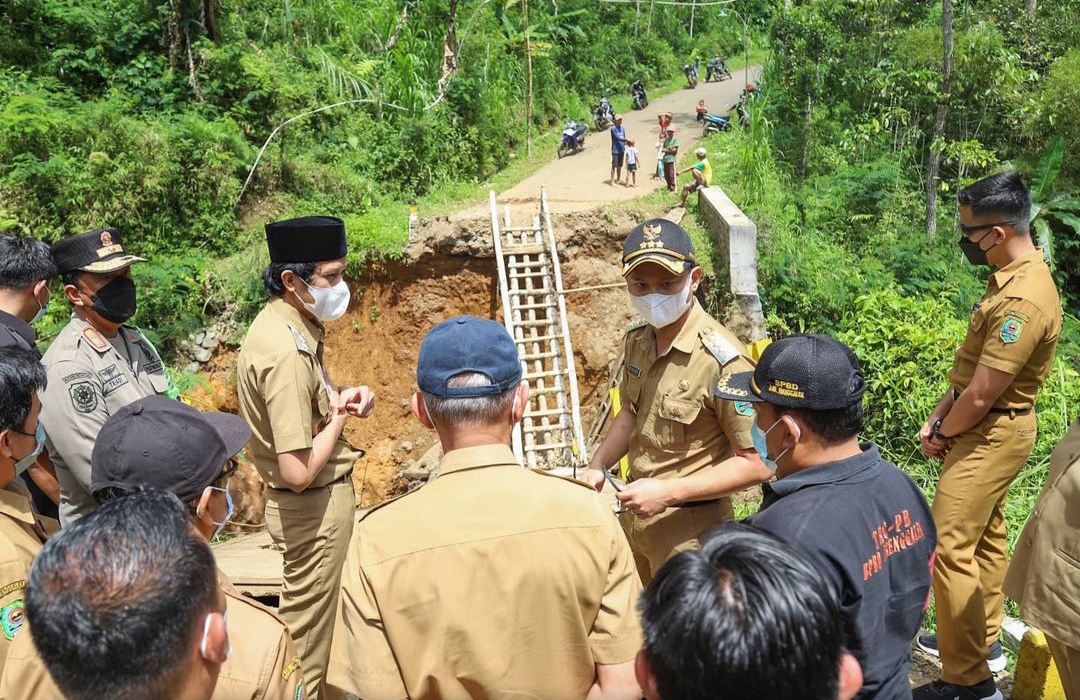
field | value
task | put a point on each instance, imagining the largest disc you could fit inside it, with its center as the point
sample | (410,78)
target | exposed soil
(449,270)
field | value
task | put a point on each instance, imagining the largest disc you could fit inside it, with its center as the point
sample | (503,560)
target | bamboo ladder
(534,313)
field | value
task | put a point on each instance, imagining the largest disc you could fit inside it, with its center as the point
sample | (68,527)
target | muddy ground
(448,270)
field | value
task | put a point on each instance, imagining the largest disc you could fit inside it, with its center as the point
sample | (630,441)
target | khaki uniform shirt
(90,378)
(1014,328)
(284,393)
(1044,577)
(681,428)
(263,664)
(491,581)
(22,533)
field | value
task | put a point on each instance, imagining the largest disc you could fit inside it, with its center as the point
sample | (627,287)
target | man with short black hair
(297,418)
(26,269)
(125,604)
(98,363)
(491,581)
(863,522)
(745,616)
(22,532)
(166,444)
(983,429)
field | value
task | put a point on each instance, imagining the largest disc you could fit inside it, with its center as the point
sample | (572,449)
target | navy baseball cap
(94,251)
(158,441)
(467,344)
(658,241)
(816,372)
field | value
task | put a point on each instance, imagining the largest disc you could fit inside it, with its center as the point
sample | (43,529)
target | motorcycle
(717,70)
(603,114)
(573,137)
(715,123)
(690,70)
(637,92)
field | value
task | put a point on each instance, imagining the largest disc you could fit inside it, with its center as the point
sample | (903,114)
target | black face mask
(975,254)
(115,301)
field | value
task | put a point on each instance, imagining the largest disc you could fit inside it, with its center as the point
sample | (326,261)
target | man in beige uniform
(1044,576)
(22,532)
(491,581)
(165,444)
(983,429)
(688,450)
(297,417)
(97,364)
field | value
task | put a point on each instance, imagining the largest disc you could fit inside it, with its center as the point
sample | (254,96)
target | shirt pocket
(674,417)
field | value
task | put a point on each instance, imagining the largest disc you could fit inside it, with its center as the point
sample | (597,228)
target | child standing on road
(631,164)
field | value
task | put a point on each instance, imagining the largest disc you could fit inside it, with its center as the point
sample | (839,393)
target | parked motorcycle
(717,70)
(573,137)
(715,123)
(637,92)
(690,70)
(603,114)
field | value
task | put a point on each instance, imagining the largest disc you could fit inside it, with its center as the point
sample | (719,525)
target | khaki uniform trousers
(972,554)
(655,540)
(1067,661)
(312,529)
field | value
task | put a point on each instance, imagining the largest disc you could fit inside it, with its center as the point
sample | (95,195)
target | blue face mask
(26,462)
(762,447)
(229,510)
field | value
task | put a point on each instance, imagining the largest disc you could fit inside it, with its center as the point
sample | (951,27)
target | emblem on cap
(106,238)
(723,386)
(652,236)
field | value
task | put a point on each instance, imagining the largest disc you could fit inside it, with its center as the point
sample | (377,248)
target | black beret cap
(94,251)
(306,239)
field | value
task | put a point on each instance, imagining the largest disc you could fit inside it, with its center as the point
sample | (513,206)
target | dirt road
(580,181)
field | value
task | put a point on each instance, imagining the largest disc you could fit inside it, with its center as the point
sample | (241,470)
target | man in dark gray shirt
(859,518)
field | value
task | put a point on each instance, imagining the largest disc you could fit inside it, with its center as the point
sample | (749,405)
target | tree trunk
(648,27)
(528,80)
(450,62)
(693,7)
(934,165)
(209,21)
(1032,5)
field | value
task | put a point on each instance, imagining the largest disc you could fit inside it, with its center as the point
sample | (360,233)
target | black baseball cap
(658,241)
(94,251)
(802,371)
(158,441)
(306,239)
(467,344)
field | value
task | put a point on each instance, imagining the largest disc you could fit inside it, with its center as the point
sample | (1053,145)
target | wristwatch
(935,432)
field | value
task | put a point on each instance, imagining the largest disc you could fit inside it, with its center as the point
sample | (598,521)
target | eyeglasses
(968,230)
(229,470)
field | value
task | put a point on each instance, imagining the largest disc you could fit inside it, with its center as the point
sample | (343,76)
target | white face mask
(42,308)
(331,303)
(661,310)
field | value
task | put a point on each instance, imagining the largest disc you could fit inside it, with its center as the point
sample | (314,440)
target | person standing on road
(618,149)
(670,147)
(297,420)
(26,268)
(664,119)
(491,581)
(1044,577)
(688,451)
(631,164)
(98,363)
(983,429)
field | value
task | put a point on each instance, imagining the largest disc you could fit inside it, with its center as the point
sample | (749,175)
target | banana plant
(1051,210)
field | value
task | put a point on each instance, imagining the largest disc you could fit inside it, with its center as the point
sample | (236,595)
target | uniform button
(684,384)
(676,412)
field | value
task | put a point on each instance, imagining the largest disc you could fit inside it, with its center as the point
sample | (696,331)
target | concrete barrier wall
(736,240)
